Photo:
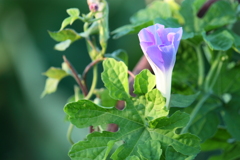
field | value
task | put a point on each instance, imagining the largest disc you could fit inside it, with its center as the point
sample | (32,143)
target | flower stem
(93,63)
(201,67)
(94,83)
(75,75)
(194,112)
(69,133)
(217,74)
(211,73)
(71,126)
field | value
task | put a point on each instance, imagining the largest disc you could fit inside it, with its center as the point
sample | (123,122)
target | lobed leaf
(144,82)
(230,115)
(150,150)
(115,79)
(206,122)
(154,10)
(219,40)
(119,55)
(182,101)
(218,141)
(133,130)
(105,99)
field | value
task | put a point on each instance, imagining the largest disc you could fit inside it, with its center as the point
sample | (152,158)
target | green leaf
(228,84)
(62,46)
(231,153)
(231,117)
(219,40)
(73,12)
(221,13)
(134,130)
(168,22)
(182,101)
(150,150)
(189,10)
(130,29)
(236,44)
(67,21)
(154,10)
(206,122)
(156,105)
(173,23)
(72,98)
(105,99)
(115,79)
(50,86)
(55,75)
(119,55)
(218,141)
(63,35)
(133,158)
(144,82)
(171,154)
(178,119)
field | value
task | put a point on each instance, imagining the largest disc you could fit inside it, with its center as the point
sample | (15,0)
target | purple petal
(145,36)
(168,54)
(155,55)
(145,45)
(173,38)
(153,30)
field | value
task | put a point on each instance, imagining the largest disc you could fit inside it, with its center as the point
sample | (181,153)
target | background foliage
(34,128)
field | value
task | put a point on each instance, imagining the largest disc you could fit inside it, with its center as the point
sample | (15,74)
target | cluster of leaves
(218,45)
(145,130)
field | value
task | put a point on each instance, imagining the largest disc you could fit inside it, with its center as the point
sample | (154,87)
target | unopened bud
(93,7)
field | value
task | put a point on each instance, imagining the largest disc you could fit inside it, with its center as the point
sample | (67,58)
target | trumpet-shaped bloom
(160,46)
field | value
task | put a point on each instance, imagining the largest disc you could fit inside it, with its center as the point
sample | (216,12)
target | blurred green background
(34,128)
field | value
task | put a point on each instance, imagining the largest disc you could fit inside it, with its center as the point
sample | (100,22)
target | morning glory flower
(160,46)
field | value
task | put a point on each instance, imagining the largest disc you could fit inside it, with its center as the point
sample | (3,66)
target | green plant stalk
(201,66)
(69,133)
(216,75)
(71,126)
(211,72)
(94,83)
(195,111)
